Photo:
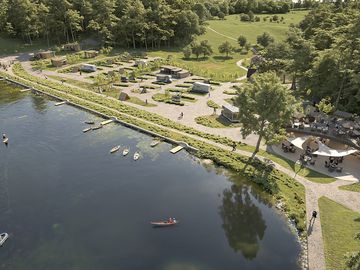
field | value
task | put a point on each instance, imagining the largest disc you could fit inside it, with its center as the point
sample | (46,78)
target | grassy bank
(353,187)
(279,185)
(215,121)
(339,226)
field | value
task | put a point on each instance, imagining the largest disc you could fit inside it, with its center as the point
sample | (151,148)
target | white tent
(299,141)
(326,151)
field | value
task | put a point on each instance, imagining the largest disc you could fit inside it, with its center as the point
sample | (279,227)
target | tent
(299,141)
(326,151)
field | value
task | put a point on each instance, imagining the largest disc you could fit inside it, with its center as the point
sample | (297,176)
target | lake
(68,203)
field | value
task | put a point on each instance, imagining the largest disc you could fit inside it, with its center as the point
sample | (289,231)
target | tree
(265,39)
(265,106)
(196,49)
(325,105)
(221,15)
(226,48)
(187,52)
(206,49)
(242,41)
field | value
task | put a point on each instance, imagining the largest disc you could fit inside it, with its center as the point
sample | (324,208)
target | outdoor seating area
(341,125)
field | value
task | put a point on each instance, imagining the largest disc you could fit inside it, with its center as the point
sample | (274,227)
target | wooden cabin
(91,54)
(175,72)
(44,55)
(58,61)
(72,47)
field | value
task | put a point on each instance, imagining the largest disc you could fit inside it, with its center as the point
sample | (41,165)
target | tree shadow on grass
(222,58)
(192,59)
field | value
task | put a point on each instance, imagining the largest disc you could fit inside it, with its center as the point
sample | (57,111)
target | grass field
(353,187)
(12,46)
(339,226)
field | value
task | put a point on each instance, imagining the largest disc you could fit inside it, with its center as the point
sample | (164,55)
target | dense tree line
(323,55)
(135,23)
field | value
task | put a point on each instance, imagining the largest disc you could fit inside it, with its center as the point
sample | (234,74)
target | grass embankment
(279,185)
(82,84)
(138,101)
(353,187)
(215,121)
(339,226)
(14,45)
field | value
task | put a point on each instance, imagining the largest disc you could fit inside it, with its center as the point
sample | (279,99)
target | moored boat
(165,223)
(115,149)
(136,155)
(126,151)
(86,130)
(3,238)
(6,140)
(90,122)
(155,142)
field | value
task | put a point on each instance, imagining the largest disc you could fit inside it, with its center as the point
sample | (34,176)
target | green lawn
(77,83)
(353,187)
(339,226)
(138,101)
(12,46)
(215,121)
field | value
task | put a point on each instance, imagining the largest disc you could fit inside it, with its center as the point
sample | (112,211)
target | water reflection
(243,223)
(39,103)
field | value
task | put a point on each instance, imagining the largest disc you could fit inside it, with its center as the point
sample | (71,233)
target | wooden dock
(107,122)
(176,149)
(60,103)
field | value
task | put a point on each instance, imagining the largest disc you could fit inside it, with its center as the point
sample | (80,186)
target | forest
(122,23)
(323,55)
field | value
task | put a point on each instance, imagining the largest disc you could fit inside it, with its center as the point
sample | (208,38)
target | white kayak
(3,238)
(115,149)
(6,140)
(136,155)
(86,130)
(164,223)
(126,151)
(155,143)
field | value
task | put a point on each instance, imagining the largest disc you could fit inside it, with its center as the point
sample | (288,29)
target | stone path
(313,190)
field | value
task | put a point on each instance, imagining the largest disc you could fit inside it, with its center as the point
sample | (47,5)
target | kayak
(3,238)
(86,130)
(164,223)
(115,149)
(90,122)
(136,156)
(6,140)
(126,151)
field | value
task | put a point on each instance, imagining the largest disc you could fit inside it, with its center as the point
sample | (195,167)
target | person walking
(313,215)
(234,147)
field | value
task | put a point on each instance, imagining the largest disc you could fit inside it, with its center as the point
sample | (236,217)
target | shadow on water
(242,221)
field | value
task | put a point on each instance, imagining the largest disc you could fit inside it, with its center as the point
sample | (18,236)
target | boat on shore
(155,142)
(89,122)
(3,238)
(97,127)
(60,103)
(115,149)
(126,151)
(165,223)
(86,130)
(136,156)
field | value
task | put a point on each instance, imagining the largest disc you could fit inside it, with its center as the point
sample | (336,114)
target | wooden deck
(176,149)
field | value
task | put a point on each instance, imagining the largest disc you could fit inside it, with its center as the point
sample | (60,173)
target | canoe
(6,140)
(126,151)
(155,143)
(90,122)
(164,223)
(3,238)
(97,127)
(114,149)
(136,156)
(86,130)
(60,103)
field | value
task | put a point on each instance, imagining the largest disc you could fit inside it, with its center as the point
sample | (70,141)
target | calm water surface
(68,204)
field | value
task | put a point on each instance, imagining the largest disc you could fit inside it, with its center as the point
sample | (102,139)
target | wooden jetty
(176,149)
(60,103)
(107,122)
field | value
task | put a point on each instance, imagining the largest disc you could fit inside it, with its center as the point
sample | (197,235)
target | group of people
(288,148)
(333,162)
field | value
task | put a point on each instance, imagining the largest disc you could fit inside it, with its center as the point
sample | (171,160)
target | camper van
(199,87)
(163,78)
(88,68)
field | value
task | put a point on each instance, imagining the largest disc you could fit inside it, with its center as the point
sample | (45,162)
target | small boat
(60,103)
(6,140)
(155,142)
(86,129)
(136,155)
(3,238)
(97,127)
(90,122)
(114,149)
(126,151)
(164,223)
